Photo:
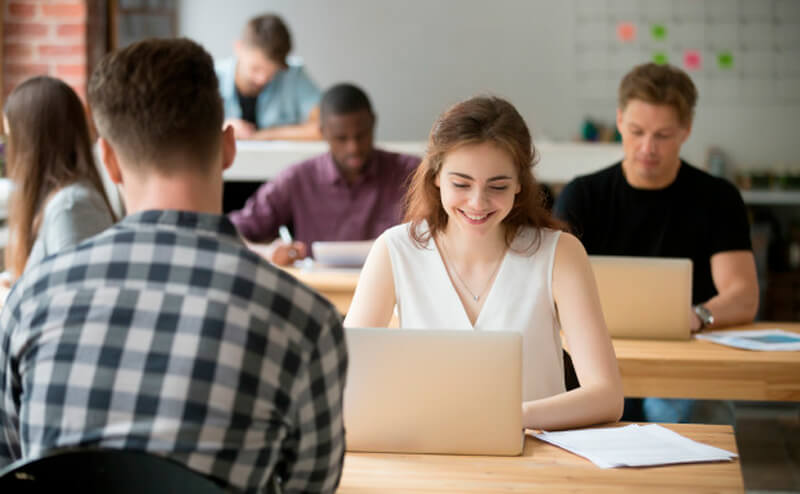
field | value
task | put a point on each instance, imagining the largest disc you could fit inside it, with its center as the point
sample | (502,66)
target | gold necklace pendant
(451,266)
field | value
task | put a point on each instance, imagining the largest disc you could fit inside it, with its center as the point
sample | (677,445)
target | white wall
(415,57)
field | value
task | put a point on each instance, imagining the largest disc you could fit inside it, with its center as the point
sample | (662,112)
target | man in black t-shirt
(654,204)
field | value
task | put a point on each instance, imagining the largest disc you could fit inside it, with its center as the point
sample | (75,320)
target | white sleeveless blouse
(521,299)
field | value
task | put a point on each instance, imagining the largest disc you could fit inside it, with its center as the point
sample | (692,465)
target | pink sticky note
(692,60)
(626,31)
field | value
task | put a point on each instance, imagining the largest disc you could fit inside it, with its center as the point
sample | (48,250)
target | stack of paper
(756,339)
(634,446)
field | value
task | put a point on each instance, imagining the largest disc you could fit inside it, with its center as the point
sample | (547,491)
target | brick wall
(48,37)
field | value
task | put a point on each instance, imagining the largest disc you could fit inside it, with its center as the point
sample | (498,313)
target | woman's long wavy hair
(482,119)
(48,148)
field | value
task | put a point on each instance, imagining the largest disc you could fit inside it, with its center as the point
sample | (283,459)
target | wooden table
(704,370)
(669,369)
(335,285)
(541,468)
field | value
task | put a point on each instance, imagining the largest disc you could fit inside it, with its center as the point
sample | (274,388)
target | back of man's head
(343,99)
(269,34)
(660,85)
(157,103)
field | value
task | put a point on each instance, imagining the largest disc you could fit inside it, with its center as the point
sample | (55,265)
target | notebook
(645,297)
(434,391)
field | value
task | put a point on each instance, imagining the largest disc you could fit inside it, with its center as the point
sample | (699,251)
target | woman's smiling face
(477,183)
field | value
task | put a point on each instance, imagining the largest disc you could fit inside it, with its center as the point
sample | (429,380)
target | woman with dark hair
(479,251)
(58,198)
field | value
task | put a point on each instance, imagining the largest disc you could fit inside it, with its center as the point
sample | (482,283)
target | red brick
(24,10)
(77,9)
(74,80)
(27,29)
(71,30)
(18,50)
(66,70)
(67,50)
(17,70)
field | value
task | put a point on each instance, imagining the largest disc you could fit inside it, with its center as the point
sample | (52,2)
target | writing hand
(284,254)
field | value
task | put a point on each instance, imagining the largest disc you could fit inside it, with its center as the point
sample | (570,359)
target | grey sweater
(72,215)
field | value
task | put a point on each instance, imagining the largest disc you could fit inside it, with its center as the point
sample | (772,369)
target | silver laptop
(434,391)
(645,297)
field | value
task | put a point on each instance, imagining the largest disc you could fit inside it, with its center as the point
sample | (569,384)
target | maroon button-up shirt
(317,201)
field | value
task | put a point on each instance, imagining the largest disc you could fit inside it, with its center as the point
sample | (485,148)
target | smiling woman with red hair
(480,252)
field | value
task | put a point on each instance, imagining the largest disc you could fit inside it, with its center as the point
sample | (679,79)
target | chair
(103,471)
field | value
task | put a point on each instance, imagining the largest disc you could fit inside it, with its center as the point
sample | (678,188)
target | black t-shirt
(695,217)
(248,106)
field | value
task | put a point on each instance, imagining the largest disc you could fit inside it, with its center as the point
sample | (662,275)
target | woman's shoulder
(78,196)
(397,234)
(530,239)
(400,236)
(74,194)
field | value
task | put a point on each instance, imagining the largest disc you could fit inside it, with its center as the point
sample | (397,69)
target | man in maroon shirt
(352,192)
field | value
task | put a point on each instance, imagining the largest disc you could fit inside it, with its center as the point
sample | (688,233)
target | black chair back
(104,471)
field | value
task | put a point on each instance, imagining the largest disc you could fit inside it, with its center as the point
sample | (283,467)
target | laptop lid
(434,391)
(645,297)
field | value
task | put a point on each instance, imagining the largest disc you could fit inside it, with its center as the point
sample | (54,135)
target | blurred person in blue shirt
(264,95)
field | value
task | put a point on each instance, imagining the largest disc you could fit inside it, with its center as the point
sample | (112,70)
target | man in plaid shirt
(164,333)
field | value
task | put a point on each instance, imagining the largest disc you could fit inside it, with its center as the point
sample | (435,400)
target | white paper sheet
(634,446)
(756,339)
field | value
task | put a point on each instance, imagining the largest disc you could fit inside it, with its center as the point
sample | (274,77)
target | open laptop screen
(645,297)
(434,391)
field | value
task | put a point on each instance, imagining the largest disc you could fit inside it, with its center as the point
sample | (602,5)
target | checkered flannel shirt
(164,333)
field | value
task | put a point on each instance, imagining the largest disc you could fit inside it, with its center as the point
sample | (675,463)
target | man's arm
(266,210)
(306,131)
(733,267)
(736,302)
(314,455)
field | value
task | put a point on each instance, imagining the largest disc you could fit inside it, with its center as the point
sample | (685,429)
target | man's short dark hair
(342,99)
(159,99)
(269,34)
(660,85)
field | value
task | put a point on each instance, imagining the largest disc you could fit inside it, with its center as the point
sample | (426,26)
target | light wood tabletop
(703,370)
(541,468)
(337,285)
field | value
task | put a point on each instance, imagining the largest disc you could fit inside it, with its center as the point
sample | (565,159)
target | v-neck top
(520,299)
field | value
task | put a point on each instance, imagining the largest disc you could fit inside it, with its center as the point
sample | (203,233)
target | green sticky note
(725,60)
(659,32)
(660,58)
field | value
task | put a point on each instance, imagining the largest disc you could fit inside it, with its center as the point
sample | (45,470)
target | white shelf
(771,197)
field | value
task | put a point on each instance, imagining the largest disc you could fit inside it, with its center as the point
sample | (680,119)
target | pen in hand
(286,236)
